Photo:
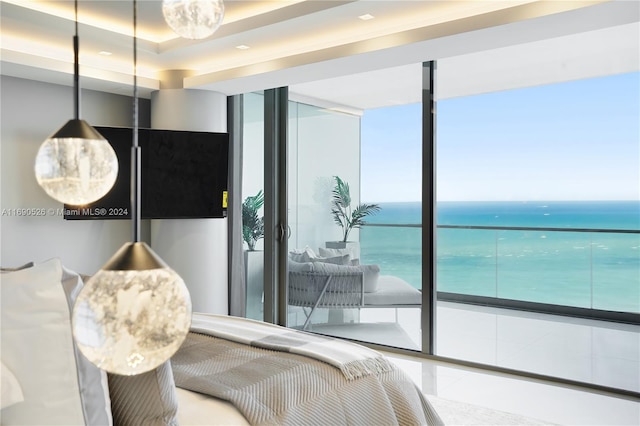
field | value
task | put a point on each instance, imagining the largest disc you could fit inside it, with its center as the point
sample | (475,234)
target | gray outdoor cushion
(393,291)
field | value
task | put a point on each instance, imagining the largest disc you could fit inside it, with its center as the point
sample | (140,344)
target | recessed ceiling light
(104,53)
(366,17)
(242,47)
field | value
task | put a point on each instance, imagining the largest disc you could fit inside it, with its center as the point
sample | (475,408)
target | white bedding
(198,409)
(271,381)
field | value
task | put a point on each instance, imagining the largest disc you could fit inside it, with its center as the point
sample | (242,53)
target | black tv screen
(184,175)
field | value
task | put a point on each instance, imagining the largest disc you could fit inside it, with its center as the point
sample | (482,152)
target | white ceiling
(322,50)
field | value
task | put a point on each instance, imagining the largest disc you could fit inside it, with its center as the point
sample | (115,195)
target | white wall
(29,112)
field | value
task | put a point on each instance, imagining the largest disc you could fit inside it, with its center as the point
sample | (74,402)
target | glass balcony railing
(595,269)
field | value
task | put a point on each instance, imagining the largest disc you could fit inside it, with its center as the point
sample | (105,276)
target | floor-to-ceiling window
(376,153)
(323,144)
(392,177)
(538,214)
(253,203)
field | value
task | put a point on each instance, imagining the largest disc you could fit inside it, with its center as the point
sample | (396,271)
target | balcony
(553,301)
(594,269)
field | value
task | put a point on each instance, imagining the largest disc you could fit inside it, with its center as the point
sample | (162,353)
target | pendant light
(135,312)
(193,19)
(76,165)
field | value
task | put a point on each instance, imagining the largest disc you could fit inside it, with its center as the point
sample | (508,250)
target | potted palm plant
(252,231)
(345,216)
(252,224)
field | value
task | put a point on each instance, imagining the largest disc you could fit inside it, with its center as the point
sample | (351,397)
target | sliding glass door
(323,145)
(362,162)
(503,218)
(258,265)
(250,144)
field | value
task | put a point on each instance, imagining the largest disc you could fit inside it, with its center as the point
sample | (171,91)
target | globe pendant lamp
(135,312)
(76,165)
(193,19)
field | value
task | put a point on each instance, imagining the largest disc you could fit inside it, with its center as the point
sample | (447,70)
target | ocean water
(599,270)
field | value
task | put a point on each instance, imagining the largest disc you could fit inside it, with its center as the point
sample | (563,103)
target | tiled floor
(513,394)
(582,350)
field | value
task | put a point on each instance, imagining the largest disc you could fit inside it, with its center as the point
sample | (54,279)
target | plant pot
(353,246)
(254,279)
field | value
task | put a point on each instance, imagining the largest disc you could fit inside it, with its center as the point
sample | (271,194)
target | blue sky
(570,141)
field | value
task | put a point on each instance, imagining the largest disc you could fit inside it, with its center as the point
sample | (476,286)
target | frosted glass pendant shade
(193,19)
(76,165)
(133,314)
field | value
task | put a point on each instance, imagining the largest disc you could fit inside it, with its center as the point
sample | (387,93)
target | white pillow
(331,252)
(11,390)
(59,385)
(328,252)
(336,260)
(302,256)
(371,273)
(300,266)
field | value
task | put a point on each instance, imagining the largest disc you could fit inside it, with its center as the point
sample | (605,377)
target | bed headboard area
(45,378)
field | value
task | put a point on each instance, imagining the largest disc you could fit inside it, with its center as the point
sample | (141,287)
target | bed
(229,370)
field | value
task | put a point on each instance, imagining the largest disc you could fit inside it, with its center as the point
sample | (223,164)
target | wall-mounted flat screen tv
(184,175)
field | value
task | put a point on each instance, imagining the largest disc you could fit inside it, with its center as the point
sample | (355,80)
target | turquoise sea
(599,270)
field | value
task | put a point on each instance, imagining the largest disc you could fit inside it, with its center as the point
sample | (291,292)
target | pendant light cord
(135,72)
(135,150)
(76,69)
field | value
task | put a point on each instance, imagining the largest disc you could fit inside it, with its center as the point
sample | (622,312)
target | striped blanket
(279,376)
